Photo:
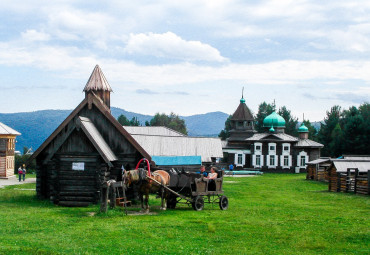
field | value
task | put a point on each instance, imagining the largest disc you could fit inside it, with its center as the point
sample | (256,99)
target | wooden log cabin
(87,148)
(91,146)
(349,175)
(7,148)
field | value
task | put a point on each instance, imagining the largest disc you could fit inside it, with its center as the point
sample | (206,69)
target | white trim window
(285,149)
(257,148)
(302,159)
(239,158)
(271,161)
(257,157)
(272,148)
(285,161)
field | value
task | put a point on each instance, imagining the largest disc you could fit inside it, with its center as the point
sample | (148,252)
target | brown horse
(147,186)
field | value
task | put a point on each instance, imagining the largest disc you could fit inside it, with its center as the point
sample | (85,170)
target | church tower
(242,122)
(98,85)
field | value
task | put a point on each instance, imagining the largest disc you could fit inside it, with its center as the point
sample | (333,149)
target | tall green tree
(264,109)
(330,123)
(172,121)
(355,123)
(336,144)
(225,133)
(122,119)
(290,121)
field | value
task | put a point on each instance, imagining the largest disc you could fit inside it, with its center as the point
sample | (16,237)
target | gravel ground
(14,181)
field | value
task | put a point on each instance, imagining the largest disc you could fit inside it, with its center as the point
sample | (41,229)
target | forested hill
(37,126)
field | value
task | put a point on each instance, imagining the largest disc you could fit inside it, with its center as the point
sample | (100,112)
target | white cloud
(170,45)
(33,35)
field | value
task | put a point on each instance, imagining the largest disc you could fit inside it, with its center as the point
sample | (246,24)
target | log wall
(351,181)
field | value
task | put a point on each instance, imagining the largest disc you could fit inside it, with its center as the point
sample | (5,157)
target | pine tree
(225,133)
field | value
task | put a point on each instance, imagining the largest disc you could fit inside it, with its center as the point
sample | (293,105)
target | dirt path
(14,181)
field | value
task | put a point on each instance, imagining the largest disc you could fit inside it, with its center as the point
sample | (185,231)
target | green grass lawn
(270,214)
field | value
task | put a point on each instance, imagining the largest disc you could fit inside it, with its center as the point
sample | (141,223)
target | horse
(147,186)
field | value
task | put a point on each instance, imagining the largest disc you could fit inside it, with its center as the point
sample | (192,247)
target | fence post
(356,175)
(348,180)
(338,182)
(368,182)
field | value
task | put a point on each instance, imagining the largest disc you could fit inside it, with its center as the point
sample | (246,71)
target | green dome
(242,100)
(274,120)
(302,129)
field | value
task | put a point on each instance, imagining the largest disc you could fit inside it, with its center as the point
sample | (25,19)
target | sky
(187,57)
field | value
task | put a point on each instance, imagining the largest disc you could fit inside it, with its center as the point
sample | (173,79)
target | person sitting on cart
(212,175)
(202,171)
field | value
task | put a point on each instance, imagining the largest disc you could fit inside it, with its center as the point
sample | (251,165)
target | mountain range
(36,126)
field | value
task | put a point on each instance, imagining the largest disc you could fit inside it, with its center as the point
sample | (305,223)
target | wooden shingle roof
(97,81)
(242,113)
(91,99)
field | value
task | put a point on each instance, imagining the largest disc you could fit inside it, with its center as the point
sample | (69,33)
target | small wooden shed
(317,169)
(346,175)
(7,148)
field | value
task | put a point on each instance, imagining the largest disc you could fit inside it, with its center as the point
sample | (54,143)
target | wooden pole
(356,175)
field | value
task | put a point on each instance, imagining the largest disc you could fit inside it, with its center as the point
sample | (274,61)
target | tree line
(341,132)
(172,121)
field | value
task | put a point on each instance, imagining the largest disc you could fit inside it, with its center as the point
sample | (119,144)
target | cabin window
(2,144)
(258,160)
(286,160)
(272,160)
(303,160)
(240,159)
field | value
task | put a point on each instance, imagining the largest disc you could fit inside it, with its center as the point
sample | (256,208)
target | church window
(258,160)
(286,148)
(272,160)
(258,147)
(286,160)
(240,159)
(303,160)
(272,147)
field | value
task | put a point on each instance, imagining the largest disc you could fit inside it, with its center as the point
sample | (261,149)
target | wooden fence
(350,181)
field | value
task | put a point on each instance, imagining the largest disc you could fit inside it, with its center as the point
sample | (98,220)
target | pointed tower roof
(242,112)
(97,81)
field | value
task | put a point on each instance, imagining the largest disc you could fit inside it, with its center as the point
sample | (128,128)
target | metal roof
(279,136)
(97,140)
(180,146)
(318,161)
(177,160)
(5,130)
(354,157)
(343,164)
(308,143)
(160,131)
(97,81)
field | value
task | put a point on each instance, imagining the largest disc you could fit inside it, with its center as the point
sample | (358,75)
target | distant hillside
(37,126)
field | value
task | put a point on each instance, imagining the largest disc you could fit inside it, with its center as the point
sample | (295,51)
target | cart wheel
(171,202)
(224,203)
(198,203)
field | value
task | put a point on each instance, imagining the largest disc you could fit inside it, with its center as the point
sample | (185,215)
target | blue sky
(187,57)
